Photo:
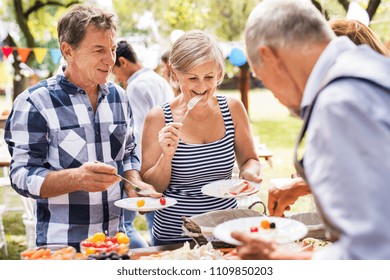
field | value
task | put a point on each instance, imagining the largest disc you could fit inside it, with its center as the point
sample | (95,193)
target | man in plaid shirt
(70,134)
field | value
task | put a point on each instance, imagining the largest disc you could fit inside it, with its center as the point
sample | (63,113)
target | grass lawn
(271,123)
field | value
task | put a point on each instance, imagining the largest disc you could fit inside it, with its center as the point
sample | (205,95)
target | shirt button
(99,157)
(89,108)
(106,232)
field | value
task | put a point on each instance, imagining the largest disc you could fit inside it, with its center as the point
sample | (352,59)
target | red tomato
(254,229)
(87,243)
(163,201)
(101,245)
(111,238)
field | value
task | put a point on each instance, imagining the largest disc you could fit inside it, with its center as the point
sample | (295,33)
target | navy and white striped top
(193,166)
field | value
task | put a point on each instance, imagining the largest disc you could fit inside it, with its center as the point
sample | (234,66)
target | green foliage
(229,17)
(186,15)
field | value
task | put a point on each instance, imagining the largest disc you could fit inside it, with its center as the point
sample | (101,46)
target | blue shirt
(347,152)
(53,126)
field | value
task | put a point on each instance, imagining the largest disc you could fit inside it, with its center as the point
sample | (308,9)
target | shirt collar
(322,67)
(137,73)
(71,88)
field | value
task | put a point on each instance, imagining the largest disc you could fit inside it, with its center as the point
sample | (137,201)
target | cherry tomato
(87,243)
(254,229)
(98,237)
(111,239)
(123,239)
(265,224)
(101,245)
(163,201)
(90,251)
(140,203)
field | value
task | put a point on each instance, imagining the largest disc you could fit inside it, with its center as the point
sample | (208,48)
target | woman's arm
(246,155)
(159,143)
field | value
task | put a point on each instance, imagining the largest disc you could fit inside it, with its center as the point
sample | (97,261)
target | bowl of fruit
(49,252)
(99,243)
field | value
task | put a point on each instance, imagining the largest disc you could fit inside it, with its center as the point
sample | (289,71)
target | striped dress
(193,166)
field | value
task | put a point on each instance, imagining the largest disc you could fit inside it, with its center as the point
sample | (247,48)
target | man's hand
(94,176)
(280,199)
(256,248)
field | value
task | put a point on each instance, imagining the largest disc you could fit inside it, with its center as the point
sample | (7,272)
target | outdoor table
(135,254)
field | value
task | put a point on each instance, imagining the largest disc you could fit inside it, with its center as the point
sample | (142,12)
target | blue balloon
(237,57)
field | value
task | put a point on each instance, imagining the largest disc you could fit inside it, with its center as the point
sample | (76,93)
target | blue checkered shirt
(53,126)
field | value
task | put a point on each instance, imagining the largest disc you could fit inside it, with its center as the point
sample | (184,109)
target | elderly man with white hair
(342,91)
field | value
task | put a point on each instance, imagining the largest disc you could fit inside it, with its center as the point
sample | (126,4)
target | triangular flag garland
(55,55)
(23,53)
(40,53)
(7,51)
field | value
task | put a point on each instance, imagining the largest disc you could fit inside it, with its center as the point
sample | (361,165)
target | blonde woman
(181,156)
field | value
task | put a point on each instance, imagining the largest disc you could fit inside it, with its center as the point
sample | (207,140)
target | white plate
(151,204)
(287,230)
(217,188)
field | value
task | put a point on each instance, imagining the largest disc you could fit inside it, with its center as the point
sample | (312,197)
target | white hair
(291,24)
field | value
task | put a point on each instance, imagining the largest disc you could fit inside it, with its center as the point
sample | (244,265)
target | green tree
(32,18)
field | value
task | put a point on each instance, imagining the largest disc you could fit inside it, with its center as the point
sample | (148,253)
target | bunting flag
(7,51)
(23,53)
(40,54)
(55,55)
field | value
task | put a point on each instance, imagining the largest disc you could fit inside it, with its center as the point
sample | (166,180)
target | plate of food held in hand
(281,230)
(145,204)
(231,188)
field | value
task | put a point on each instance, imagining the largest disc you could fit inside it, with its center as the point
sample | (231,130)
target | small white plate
(151,204)
(218,188)
(286,231)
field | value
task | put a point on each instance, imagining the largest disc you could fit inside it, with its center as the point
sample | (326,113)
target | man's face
(95,56)
(275,77)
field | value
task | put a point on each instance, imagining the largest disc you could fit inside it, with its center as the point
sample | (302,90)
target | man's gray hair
(284,24)
(72,25)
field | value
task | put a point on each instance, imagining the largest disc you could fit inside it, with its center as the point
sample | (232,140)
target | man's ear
(122,61)
(267,54)
(67,50)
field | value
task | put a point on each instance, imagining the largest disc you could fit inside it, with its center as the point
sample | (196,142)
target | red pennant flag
(7,51)
(23,52)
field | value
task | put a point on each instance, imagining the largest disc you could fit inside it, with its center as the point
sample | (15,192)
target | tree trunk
(244,84)
(373,7)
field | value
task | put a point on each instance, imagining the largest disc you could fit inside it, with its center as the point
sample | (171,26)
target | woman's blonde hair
(194,48)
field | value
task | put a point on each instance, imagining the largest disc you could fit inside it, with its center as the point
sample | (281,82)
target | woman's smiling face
(200,80)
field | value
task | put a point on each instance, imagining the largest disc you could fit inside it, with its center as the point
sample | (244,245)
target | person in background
(342,92)
(145,90)
(181,155)
(358,33)
(281,198)
(71,134)
(166,72)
